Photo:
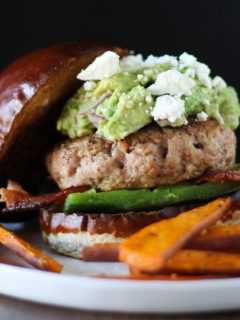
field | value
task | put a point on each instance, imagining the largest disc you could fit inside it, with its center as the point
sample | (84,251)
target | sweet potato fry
(150,248)
(30,254)
(215,238)
(107,252)
(225,237)
(172,277)
(197,262)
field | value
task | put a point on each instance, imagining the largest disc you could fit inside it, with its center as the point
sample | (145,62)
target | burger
(129,140)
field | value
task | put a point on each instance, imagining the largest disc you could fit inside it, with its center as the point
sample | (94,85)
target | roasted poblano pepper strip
(145,200)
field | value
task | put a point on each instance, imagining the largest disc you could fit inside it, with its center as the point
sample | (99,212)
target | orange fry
(225,237)
(220,238)
(197,262)
(172,277)
(150,248)
(30,254)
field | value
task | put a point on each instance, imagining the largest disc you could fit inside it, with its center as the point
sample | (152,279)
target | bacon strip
(232,175)
(17,199)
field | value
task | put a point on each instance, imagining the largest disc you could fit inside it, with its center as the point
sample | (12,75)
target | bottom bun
(72,244)
(69,234)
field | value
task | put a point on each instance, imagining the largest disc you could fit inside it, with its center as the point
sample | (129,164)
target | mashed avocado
(135,95)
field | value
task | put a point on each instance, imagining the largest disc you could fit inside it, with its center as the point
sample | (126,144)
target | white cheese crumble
(132,62)
(203,73)
(102,67)
(202,70)
(168,108)
(170,86)
(172,82)
(187,60)
(140,77)
(148,99)
(202,116)
(218,83)
(190,73)
(151,60)
(89,85)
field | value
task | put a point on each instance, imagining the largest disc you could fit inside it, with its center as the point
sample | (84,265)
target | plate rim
(93,286)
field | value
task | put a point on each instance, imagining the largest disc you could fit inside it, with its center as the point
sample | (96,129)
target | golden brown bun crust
(32,92)
(120,225)
(69,234)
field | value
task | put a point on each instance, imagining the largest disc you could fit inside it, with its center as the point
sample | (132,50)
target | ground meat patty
(150,157)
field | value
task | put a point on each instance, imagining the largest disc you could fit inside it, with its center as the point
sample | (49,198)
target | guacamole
(137,92)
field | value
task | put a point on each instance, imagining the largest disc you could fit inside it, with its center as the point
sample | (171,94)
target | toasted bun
(32,92)
(69,234)
(72,244)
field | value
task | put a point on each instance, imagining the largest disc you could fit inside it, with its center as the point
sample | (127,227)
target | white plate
(73,288)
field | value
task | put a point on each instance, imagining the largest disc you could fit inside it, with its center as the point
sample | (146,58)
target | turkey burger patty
(148,158)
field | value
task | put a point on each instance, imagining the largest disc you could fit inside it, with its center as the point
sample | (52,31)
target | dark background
(208,29)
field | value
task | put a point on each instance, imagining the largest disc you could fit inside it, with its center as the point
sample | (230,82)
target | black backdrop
(208,29)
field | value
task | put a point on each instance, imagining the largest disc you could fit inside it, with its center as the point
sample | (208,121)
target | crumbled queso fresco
(119,96)
(170,86)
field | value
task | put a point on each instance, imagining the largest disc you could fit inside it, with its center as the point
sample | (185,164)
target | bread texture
(69,234)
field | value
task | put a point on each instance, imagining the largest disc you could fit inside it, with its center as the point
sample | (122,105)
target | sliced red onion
(97,103)
(94,118)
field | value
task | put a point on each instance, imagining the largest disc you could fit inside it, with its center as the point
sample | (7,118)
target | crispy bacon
(17,199)
(231,175)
